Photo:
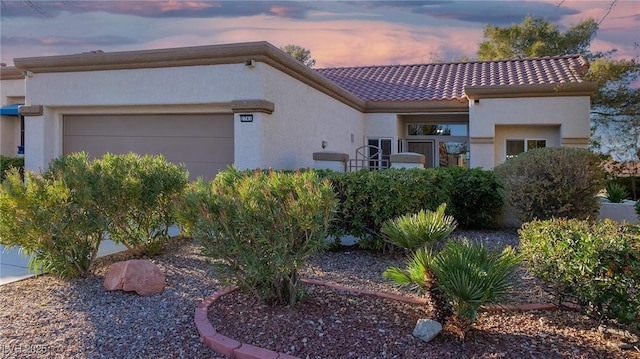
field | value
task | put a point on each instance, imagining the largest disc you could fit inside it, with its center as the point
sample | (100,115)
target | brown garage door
(203,142)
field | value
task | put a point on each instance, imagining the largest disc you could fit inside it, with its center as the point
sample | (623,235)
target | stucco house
(252,105)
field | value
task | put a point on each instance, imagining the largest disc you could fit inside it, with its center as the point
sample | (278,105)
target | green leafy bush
(61,216)
(595,264)
(51,220)
(637,207)
(7,163)
(616,192)
(475,197)
(468,275)
(425,228)
(549,182)
(144,186)
(368,198)
(263,226)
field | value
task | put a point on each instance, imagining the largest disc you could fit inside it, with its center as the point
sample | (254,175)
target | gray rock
(427,329)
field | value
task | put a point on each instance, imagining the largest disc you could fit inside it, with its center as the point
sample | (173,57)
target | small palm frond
(414,231)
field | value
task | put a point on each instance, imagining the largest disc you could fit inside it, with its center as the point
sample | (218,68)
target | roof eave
(416,106)
(535,90)
(11,73)
(261,51)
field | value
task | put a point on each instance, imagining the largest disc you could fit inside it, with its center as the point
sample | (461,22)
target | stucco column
(248,121)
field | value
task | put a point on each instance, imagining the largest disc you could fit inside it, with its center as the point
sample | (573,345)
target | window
(379,159)
(516,147)
(437,130)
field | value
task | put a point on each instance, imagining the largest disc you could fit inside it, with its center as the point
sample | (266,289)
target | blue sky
(338,33)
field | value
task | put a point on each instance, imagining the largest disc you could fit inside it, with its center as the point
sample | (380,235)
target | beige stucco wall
(286,138)
(12,91)
(302,120)
(568,114)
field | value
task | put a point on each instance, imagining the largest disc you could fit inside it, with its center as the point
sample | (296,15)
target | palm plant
(470,276)
(459,279)
(413,231)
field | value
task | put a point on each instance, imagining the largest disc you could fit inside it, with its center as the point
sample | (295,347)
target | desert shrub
(417,230)
(468,275)
(549,182)
(475,197)
(136,194)
(7,163)
(51,221)
(595,264)
(368,198)
(61,216)
(262,227)
(616,192)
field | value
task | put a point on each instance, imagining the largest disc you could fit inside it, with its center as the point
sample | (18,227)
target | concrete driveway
(14,264)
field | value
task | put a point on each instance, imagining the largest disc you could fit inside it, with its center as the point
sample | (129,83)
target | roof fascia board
(11,73)
(539,90)
(191,56)
(401,107)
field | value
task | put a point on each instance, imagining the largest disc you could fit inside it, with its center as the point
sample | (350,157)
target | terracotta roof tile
(446,81)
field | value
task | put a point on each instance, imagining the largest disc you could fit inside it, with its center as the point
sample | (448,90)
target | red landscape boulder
(141,276)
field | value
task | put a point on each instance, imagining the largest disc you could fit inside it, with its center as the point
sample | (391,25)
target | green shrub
(637,207)
(597,265)
(425,228)
(475,197)
(368,198)
(557,182)
(263,226)
(7,163)
(51,221)
(61,216)
(469,276)
(616,192)
(137,197)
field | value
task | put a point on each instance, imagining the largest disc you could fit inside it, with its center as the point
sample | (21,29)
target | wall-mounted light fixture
(250,63)
(324,144)
(27,73)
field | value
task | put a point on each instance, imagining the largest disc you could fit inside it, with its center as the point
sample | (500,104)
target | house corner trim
(263,106)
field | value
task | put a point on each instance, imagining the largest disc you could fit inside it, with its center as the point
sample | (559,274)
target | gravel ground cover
(45,317)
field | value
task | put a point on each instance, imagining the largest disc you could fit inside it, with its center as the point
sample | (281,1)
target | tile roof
(447,81)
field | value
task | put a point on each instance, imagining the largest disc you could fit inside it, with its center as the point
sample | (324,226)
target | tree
(615,110)
(299,53)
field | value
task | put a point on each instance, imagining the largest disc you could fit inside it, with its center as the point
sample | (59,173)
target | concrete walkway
(14,264)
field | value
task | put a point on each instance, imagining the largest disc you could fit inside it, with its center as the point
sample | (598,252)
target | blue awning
(10,110)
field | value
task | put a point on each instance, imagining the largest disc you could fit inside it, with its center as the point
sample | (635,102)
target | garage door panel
(203,155)
(200,125)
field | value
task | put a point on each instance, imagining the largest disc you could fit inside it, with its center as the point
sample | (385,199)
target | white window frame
(526,145)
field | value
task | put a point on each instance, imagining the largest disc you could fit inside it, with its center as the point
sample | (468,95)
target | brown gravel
(46,317)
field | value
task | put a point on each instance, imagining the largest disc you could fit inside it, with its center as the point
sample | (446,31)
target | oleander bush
(138,199)
(560,182)
(596,265)
(460,278)
(418,230)
(7,163)
(261,227)
(61,215)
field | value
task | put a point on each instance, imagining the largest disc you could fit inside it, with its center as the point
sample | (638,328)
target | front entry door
(425,148)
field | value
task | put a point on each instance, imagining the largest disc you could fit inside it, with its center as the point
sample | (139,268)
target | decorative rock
(142,276)
(427,329)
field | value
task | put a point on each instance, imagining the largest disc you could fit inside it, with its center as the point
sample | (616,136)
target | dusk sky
(338,33)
